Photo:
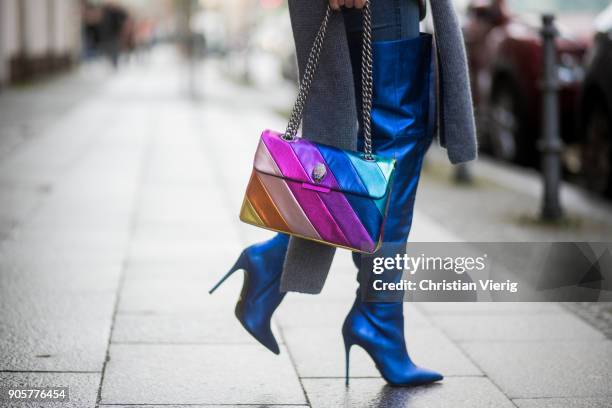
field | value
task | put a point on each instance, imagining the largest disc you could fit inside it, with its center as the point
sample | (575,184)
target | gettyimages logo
(412,265)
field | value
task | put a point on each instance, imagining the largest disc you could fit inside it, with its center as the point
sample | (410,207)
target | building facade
(37,37)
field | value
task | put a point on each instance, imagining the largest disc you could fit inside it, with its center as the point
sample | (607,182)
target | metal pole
(550,144)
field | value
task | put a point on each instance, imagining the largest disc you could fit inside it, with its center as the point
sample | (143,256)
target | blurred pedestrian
(114,31)
(92,35)
(404,119)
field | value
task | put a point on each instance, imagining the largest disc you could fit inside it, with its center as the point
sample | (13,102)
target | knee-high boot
(402,126)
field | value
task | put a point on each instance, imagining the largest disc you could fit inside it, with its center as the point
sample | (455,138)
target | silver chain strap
(366,80)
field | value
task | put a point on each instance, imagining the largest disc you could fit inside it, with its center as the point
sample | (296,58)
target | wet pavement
(120,212)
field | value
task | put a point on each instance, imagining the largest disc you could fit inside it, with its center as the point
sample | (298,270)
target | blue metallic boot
(260,296)
(403,115)
(378,328)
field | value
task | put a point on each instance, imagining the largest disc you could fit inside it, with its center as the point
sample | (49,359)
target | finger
(334,4)
(349,3)
(360,3)
(341,3)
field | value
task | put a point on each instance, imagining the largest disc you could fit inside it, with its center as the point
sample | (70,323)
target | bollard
(550,143)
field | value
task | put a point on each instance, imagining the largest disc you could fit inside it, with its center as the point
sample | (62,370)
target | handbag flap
(323,166)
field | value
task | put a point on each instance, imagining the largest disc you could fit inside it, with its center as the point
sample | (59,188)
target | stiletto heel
(240,264)
(347,351)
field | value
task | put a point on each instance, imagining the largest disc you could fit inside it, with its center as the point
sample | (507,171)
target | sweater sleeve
(457,128)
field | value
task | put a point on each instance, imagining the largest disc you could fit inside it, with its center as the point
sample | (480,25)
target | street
(119,202)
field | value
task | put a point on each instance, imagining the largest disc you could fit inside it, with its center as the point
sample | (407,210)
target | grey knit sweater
(307,263)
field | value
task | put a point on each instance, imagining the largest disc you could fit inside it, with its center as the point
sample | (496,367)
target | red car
(504,50)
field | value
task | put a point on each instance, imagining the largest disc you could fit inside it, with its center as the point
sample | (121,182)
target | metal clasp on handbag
(319,172)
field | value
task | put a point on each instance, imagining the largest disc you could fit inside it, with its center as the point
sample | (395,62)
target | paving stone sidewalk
(118,216)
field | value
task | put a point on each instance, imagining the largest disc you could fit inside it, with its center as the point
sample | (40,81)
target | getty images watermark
(458,265)
(489,271)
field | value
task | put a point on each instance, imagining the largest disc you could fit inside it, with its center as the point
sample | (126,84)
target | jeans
(391,20)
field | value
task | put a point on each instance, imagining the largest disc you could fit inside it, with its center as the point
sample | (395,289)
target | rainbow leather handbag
(319,192)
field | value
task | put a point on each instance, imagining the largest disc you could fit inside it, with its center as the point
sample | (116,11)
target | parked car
(596,110)
(505,54)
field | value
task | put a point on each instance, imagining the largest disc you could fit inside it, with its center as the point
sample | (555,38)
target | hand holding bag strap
(366,80)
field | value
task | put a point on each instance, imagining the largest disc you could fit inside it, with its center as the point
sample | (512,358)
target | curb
(527,181)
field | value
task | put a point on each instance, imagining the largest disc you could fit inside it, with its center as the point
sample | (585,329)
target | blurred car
(596,110)
(505,54)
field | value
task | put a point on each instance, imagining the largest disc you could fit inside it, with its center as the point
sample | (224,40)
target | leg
(402,113)
(400,128)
